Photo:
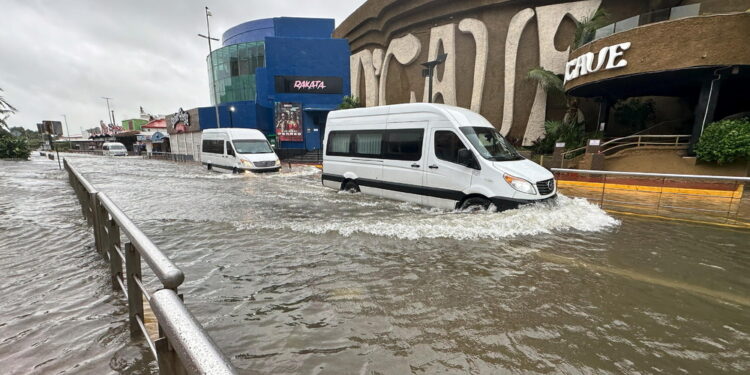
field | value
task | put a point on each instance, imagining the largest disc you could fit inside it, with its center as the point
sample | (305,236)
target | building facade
(492,45)
(280,75)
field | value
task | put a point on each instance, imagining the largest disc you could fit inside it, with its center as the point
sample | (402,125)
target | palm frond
(586,28)
(547,79)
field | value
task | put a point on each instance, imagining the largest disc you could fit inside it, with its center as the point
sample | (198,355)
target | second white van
(238,150)
(431,154)
(114,149)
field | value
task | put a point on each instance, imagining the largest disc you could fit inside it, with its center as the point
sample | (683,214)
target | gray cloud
(63,56)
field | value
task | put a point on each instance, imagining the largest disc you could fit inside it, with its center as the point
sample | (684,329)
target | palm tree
(586,28)
(5,111)
(570,129)
(350,102)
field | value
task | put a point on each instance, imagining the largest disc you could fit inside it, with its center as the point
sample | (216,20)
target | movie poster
(289,122)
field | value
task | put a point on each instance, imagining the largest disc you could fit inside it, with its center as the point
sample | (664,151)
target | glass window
(404,144)
(338,143)
(213,146)
(490,144)
(252,146)
(447,145)
(230,150)
(368,144)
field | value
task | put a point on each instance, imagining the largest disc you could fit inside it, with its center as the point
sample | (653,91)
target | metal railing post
(115,263)
(96,222)
(169,363)
(135,297)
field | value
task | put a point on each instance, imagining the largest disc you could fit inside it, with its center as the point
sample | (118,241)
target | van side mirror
(466,158)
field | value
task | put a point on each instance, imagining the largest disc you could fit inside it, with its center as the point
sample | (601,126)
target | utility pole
(67,130)
(211,65)
(108,110)
(429,71)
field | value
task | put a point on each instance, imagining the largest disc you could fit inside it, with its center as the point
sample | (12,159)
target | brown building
(492,44)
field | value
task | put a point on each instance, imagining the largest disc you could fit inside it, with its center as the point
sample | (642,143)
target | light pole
(429,71)
(67,130)
(231,122)
(109,111)
(211,65)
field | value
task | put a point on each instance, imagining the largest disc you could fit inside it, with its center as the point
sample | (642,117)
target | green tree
(586,28)
(571,129)
(5,111)
(13,147)
(350,102)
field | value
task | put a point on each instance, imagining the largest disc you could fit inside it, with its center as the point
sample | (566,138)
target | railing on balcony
(660,15)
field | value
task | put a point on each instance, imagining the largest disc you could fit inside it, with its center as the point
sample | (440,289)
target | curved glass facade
(234,71)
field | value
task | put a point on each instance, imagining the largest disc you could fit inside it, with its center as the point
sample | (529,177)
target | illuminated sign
(607,59)
(309,85)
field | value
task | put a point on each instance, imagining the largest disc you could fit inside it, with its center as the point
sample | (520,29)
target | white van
(431,154)
(238,150)
(114,149)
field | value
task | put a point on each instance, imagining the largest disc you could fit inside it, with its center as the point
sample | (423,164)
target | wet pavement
(290,277)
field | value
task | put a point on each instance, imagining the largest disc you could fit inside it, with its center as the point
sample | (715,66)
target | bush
(13,147)
(558,131)
(350,102)
(725,141)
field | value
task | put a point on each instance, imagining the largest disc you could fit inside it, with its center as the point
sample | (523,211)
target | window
(447,145)
(405,144)
(230,150)
(491,144)
(368,144)
(213,146)
(338,143)
(252,146)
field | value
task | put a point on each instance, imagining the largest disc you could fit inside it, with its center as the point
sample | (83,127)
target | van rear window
(401,144)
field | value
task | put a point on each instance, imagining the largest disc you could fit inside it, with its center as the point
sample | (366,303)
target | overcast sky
(61,57)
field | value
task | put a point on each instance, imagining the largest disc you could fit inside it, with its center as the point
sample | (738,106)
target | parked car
(114,149)
(238,150)
(431,154)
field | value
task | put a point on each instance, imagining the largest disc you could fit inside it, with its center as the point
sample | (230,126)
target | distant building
(281,75)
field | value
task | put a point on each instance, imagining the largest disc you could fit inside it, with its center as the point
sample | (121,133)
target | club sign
(309,85)
(608,58)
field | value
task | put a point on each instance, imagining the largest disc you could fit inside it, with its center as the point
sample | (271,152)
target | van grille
(264,164)
(546,187)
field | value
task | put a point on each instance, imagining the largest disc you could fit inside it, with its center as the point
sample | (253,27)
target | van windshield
(490,144)
(252,146)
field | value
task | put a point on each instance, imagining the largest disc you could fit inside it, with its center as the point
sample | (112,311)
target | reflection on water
(291,277)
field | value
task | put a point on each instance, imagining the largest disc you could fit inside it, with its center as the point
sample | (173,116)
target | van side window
(339,143)
(447,145)
(230,149)
(105,148)
(213,146)
(404,144)
(368,144)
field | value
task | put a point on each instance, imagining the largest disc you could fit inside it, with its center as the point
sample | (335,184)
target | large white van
(114,149)
(431,154)
(238,150)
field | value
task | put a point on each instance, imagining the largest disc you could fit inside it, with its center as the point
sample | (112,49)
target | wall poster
(288,120)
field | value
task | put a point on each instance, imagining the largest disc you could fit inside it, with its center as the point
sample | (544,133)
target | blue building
(282,76)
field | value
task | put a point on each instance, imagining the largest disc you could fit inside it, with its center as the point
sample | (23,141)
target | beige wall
(377,23)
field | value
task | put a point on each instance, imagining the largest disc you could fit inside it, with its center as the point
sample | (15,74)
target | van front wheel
(351,187)
(476,203)
(208,166)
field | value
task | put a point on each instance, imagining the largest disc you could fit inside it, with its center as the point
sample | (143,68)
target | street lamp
(211,64)
(231,122)
(109,112)
(429,70)
(67,130)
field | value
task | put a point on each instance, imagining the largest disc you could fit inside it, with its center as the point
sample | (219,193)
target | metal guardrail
(641,140)
(700,198)
(684,11)
(183,345)
(183,158)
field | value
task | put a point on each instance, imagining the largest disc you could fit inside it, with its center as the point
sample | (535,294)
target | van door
(444,177)
(404,161)
(230,155)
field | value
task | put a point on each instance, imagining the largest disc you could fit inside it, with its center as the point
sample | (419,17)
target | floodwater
(290,277)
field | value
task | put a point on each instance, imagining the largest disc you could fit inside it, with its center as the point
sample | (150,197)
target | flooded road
(290,277)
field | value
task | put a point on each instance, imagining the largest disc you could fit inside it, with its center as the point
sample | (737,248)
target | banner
(288,120)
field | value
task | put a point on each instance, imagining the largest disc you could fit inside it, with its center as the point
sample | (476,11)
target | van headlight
(278,162)
(247,163)
(519,184)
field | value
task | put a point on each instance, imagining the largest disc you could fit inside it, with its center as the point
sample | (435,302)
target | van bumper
(503,203)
